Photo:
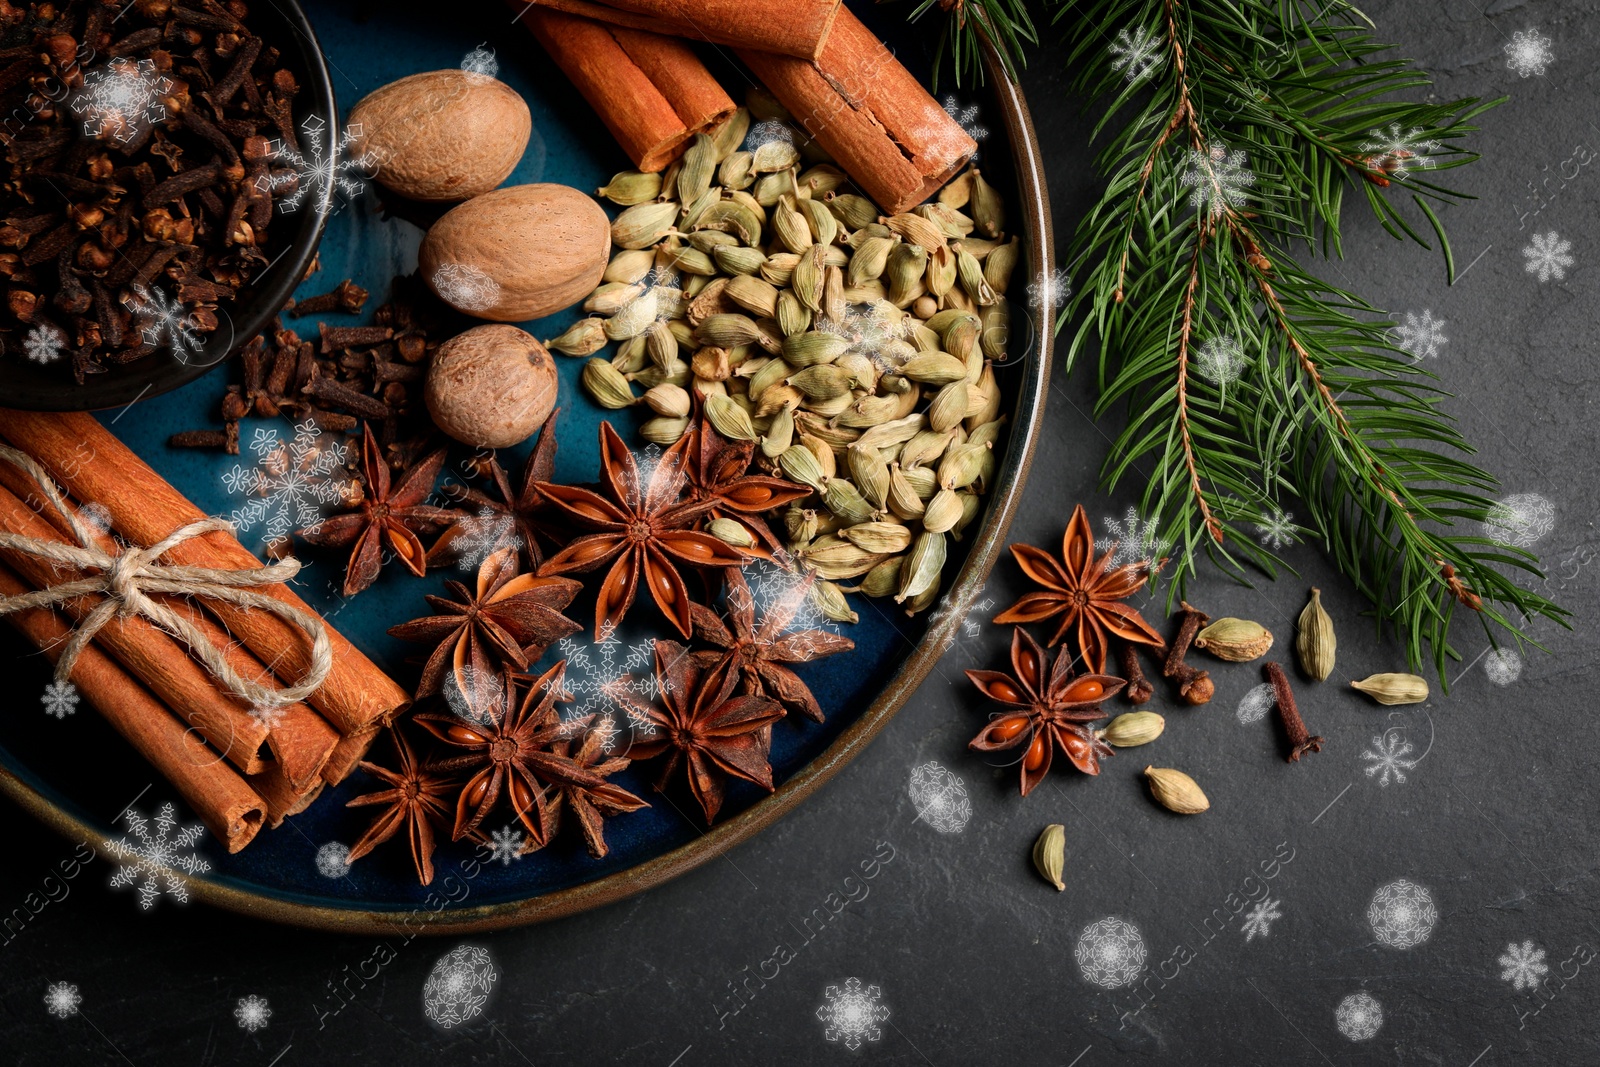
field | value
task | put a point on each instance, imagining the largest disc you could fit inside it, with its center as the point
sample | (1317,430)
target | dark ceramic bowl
(293,243)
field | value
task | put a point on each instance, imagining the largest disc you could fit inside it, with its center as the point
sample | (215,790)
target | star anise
(591,804)
(509,621)
(417,798)
(706,728)
(511,751)
(1046,712)
(1082,590)
(758,651)
(719,475)
(494,521)
(643,527)
(389,515)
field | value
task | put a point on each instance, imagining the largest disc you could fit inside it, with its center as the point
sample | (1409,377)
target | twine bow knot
(128,579)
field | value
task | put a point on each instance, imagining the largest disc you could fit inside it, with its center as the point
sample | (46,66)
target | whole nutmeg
(491,387)
(442,135)
(517,253)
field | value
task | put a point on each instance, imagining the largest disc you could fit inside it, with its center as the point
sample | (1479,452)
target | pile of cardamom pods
(857,350)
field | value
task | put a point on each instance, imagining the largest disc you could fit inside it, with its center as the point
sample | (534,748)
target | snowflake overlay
(966,118)
(153,862)
(252,1013)
(122,99)
(316,168)
(1136,541)
(60,699)
(1388,757)
(1278,530)
(872,328)
(507,845)
(1395,151)
(940,798)
(1218,180)
(290,485)
(1502,665)
(62,1000)
(1358,1016)
(333,860)
(163,322)
(44,343)
(1523,965)
(1402,914)
(481,63)
(1136,53)
(1260,919)
(1519,520)
(765,132)
(1420,335)
(1255,704)
(1528,53)
(270,716)
(1050,290)
(1548,255)
(458,986)
(465,287)
(480,535)
(852,1014)
(1220,361)
(1111,953)
(596,683)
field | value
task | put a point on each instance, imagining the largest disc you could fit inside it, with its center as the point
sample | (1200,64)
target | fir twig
(1005,23)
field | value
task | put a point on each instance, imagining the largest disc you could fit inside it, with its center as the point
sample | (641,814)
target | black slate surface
(975,959)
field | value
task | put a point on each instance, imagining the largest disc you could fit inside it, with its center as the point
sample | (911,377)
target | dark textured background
(973,953)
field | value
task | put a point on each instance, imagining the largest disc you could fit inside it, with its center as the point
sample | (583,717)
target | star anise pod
(718,474)
(511,751)
(417,798)
(706,728)
(506,515)
(759,650)
(390,515)
(591,804)
(1045,712)
(1082,590)
(643,527)
(509,620)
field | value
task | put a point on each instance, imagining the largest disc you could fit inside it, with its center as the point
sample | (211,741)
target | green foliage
(1004,22)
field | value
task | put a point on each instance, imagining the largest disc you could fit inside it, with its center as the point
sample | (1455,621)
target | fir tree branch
(1004,23)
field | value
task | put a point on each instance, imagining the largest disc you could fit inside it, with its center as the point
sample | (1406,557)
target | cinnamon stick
(351,750)
(281,799)
(652,92)
(787,27)
(869,113)
(92,464)
(215,792)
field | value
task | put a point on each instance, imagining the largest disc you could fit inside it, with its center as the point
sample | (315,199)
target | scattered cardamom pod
(1133,728)
(1315,642)
(606,385)
(1176,791)
(1235,640)
(1394,688)
(1050,854)
(631,187)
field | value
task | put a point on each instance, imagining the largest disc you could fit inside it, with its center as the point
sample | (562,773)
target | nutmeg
(491,387)
(442,135)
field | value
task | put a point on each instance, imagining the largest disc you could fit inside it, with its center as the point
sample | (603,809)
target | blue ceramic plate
(76,774)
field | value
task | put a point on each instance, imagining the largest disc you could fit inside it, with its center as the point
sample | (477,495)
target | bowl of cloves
(169,178)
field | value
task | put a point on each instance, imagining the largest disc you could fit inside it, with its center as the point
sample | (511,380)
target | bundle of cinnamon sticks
(832,74)
(237,770)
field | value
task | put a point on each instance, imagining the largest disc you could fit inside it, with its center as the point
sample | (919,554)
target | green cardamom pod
(643,225)
(1394,688)
(999,264)
(630,187)
(988,210)
(584,337)
(1133,728)
(1315,641)
(922,565)
(731,132)
(730,420)
(606,385)
(664,431)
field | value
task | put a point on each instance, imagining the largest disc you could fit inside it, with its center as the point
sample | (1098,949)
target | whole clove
(1300,739)
(1194,685)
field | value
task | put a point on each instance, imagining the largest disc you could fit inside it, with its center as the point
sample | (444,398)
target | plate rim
(719,839)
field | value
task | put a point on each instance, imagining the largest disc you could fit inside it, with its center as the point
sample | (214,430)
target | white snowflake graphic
(1136,53)
(852,1014)
(290,485)
(1260,919)
(1502,665)
(1358,1016)
(481,63)
(1111,953)
(472,694)
(1277,530)
(122,99)
(1218,180)
(252,1013)
(596,682)
(1136,541)
(1528,53)
(44,343)
(1520,520)
(1523,965)
(1395,151)
(153,862)
(506,845)
(767,131)
(465,287)
(876,330)
(1255,704)
(773,589)
(163,322)
(60,699)
(972,627)
(317,170)
(333,860)
(62,1000)
(96,515)
(940,798)
(1402,914)
(1548,255)
(1388,757)
(458,986)
(1050,290)
(1220,361)
(480,535)
(269,716)
(1419,335)
(966,118)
